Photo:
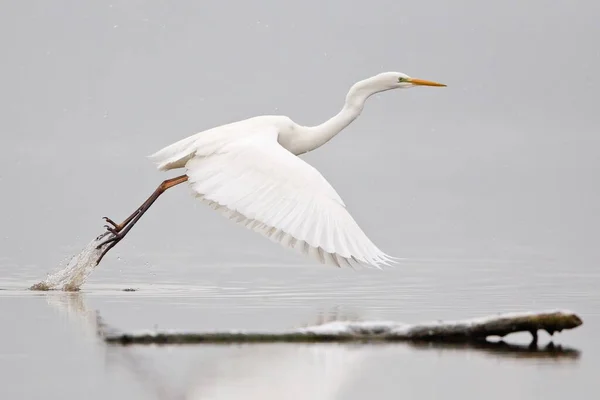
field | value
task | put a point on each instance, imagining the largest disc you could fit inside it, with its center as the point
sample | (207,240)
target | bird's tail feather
(174,155)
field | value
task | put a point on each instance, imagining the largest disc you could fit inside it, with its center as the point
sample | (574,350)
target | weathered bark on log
(465,331)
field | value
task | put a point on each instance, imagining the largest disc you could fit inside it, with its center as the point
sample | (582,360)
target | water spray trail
(71,276)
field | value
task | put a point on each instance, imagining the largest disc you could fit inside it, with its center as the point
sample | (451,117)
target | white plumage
(250,172)
(245,174)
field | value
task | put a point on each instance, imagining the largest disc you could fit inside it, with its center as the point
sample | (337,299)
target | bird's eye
(401,79)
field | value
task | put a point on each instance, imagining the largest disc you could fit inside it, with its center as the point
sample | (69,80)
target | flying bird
(250,172)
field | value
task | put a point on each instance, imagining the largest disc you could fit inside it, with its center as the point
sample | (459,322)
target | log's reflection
(505,349)
(266,371)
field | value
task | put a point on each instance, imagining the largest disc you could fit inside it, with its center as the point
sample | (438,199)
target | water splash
(71,276)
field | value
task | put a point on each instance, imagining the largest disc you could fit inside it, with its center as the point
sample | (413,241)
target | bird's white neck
(316,136)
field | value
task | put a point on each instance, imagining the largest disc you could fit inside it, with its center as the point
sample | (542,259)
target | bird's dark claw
(109,243)
(117,231)
(111,240)
(111,230)
(113,223)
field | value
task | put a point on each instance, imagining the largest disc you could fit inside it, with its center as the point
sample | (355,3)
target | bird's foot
(118,231)
(115,227)
(114,231)
(114,239)
(109,243)
(117,235)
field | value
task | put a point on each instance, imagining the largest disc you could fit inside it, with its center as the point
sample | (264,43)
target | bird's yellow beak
(423,82)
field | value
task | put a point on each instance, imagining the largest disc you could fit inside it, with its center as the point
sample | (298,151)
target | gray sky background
(503,163)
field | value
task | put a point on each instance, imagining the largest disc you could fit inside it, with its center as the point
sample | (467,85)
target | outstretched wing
(256,182)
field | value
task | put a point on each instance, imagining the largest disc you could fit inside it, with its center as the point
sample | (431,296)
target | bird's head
(382,82)
(399,80)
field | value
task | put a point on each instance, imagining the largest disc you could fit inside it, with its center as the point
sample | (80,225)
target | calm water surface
(50,338)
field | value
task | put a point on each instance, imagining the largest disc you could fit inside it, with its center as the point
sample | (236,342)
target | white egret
(250,172)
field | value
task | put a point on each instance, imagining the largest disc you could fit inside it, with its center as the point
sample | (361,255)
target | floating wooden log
(469,330)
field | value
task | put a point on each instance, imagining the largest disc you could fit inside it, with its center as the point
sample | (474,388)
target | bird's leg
(161,188)
(120,230)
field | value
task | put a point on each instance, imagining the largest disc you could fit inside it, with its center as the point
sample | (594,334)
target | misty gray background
(499,164)
(488,187)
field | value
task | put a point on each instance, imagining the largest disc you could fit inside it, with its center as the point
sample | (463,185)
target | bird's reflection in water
(72,305)
(279,371)
(265,371)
